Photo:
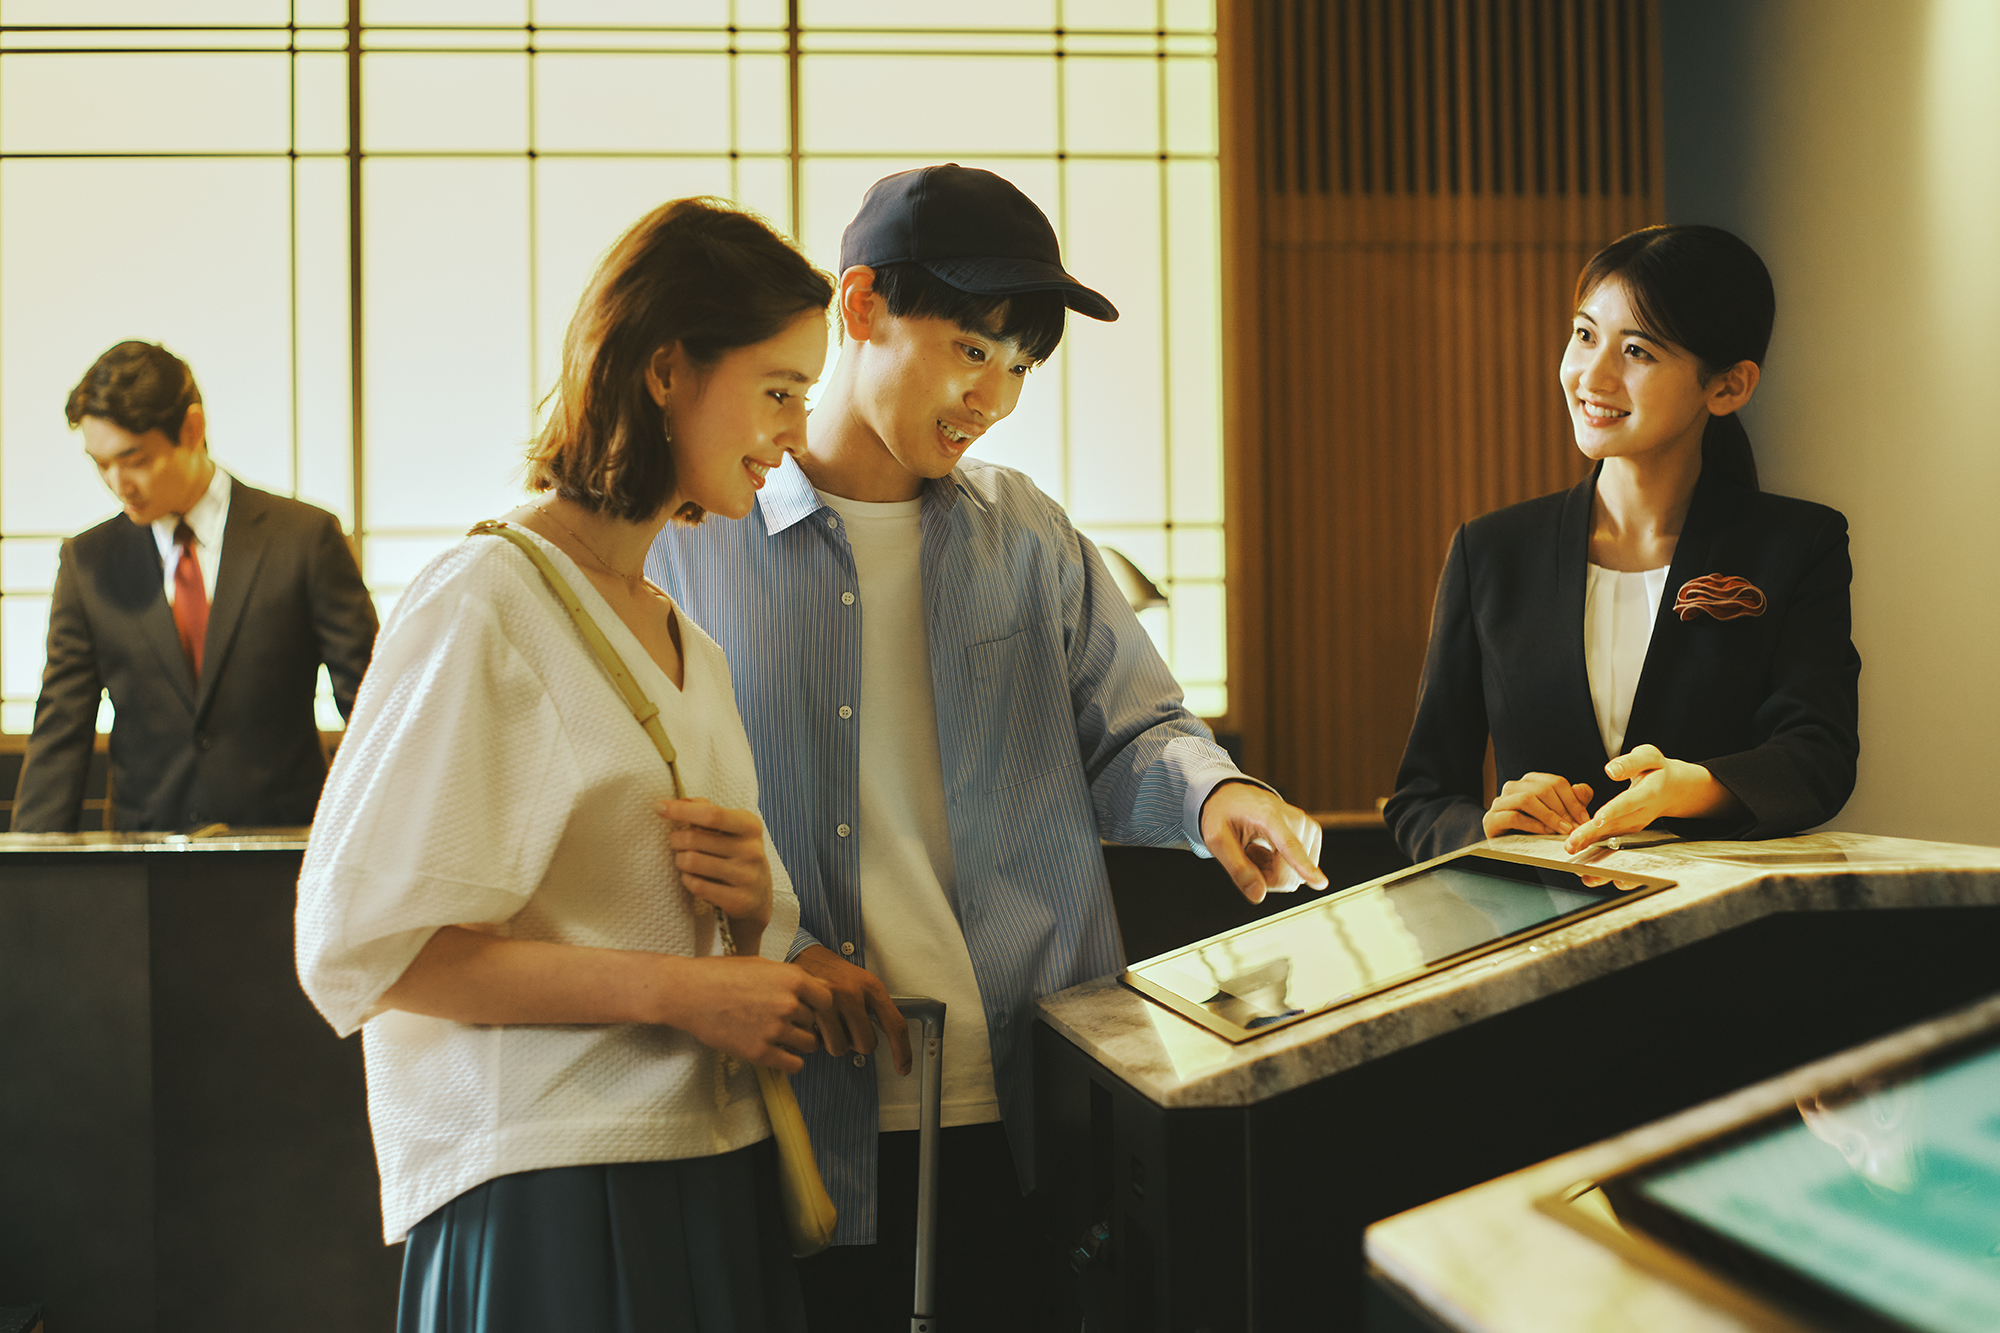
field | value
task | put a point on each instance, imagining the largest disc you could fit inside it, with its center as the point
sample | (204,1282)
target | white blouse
(1619,609)
(492,773)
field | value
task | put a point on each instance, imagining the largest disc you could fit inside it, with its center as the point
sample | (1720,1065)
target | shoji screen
(365,222)
(1412,187)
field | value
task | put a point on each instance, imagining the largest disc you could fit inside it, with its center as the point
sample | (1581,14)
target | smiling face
(928,388)
(151,475)
(1629,393)
(736,420)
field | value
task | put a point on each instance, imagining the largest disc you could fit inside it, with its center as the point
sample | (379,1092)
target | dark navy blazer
(1766,703)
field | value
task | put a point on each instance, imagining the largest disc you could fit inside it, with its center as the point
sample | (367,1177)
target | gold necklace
(602,563)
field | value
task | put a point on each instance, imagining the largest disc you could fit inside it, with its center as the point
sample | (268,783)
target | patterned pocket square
(1723,596)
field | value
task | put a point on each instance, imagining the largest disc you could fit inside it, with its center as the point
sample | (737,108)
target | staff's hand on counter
(1266,845)
(1541,803)
(1662,788)
(857,993)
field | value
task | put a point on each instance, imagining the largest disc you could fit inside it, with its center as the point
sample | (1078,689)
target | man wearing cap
(950,703)
(205,609)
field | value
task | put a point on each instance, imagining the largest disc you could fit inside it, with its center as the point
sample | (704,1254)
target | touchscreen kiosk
(1342,947)
(1873,1205)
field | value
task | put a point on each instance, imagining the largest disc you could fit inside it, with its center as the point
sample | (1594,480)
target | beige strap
(645,710)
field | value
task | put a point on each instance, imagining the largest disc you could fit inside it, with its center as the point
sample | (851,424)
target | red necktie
(190,598)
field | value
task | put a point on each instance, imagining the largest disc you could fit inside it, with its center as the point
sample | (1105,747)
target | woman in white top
(1664,624)
(501,893)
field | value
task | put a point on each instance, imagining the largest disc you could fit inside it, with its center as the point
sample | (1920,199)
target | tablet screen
(1362,940)
(1876,1203)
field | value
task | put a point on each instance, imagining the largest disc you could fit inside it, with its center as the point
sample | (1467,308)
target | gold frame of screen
(1683,1270)
(1644,886)
(1761,1310)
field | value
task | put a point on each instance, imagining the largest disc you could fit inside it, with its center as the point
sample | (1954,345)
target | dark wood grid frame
(769,26)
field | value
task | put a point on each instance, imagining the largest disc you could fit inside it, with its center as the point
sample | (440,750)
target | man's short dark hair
(1032,321)
(138,387)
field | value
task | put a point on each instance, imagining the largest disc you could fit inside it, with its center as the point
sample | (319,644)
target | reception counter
(1539,1252)
(183,1142)
(1219,1186)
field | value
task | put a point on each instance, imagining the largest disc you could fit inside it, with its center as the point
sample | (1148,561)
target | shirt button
(841,830)
(860,1061)
(847,599)
(847,947)
(846,712)
(833,520)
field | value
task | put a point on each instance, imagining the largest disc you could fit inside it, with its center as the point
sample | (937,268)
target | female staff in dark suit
(1664,623)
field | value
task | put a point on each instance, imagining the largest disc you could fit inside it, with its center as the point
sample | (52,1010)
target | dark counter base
(1241,1219)
(183,1142)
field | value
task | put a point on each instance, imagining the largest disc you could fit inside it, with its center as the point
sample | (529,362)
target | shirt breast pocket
(1020,700)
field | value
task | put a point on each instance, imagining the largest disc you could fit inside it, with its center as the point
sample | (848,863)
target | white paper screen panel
(446,358)
(144,13)
(632,103)
(126,103)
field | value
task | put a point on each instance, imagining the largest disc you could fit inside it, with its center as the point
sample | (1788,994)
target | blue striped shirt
(1057,722)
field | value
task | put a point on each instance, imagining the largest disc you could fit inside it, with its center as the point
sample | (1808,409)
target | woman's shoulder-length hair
(698,273)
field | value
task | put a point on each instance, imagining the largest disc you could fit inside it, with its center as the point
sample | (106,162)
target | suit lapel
(1570,670)
(1666,655)
(144,580)
(243,539)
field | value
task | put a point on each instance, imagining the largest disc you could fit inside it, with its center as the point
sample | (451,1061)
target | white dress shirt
(207,516)
(1619,608)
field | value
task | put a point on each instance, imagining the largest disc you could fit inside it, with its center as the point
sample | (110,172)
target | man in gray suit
(205,610)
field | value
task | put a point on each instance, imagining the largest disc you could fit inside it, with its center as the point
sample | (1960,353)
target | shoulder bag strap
(643,709)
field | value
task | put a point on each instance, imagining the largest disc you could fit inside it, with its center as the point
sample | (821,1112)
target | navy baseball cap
(971,229)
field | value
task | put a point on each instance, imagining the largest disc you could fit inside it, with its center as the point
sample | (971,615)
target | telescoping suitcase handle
(926,1020)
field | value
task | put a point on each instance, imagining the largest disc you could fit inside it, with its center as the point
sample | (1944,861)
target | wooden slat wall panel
(1427,176)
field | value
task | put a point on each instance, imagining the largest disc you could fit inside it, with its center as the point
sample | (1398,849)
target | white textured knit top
(492,773)
(1619,609)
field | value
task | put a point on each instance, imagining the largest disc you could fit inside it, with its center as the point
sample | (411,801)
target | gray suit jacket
(237,746)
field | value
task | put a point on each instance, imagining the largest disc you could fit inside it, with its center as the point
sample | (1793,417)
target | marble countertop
(1177,1063)
(228,840)
(1488,1260)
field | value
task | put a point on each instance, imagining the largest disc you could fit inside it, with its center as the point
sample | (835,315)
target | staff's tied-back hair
(697,272)
(1705,291)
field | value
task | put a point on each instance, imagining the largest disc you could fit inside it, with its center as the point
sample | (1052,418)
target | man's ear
(194,428)
(1733,387)
(661,372)
(861,308)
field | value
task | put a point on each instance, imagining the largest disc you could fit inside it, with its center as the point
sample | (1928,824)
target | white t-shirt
(492,773)
(1619,608)
(908,897)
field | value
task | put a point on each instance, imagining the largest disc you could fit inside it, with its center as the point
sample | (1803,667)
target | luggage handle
(926,1020)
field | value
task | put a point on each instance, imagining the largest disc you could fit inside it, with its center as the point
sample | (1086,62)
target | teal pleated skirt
(638,1247)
